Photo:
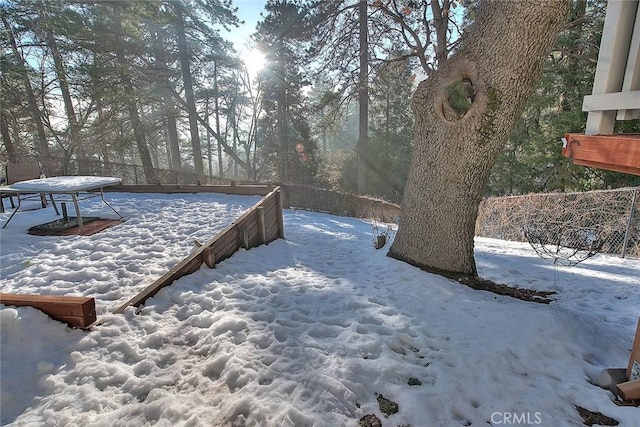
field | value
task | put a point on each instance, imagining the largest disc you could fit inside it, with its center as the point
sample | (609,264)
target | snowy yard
(310,330)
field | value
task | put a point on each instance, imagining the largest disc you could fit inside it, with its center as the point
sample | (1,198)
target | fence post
(279,214)
(630,221)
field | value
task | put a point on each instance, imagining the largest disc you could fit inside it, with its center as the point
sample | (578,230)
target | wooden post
(627,232)
(65,215)
(243,236)
(632,72)
(279,214)
(262,231)
(612,59)
(209,257)
(635,354)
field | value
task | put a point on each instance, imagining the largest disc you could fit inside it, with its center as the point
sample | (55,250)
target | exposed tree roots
(530,295)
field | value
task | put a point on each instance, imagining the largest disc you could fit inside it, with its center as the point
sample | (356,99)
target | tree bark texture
(464,114)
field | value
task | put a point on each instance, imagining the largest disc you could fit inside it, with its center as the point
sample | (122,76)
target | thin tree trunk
(175,162)
(363,99)
(217,107)
(188,91)
(209,155)
(41,136)
(73,145)
(283,154)
(498,63)
(441,23)
(12,153)
(132,109)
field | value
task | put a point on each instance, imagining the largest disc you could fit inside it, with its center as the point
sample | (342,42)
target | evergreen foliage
(285,134)
(532,160)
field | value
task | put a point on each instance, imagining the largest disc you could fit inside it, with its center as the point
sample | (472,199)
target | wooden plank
(635,351)
(272,232)
(226,251)
(247,221)
(606,166)
(76,311)
(611,152)
(612,60)
(630,390)
(612,101)
(271,208)
(166,279)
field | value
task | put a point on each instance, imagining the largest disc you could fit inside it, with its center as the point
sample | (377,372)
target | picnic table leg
(74,197)
(14,211)
(53,202)
(106,203)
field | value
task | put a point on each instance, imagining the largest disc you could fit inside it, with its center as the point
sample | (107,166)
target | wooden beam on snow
(630,390)
(77,312)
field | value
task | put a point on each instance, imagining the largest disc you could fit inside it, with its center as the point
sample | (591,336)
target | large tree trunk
(464,113)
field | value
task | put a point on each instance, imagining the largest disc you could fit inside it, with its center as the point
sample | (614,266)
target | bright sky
(249,12)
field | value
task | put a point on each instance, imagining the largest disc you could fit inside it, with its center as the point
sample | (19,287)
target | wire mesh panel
(610,214)
(563,244)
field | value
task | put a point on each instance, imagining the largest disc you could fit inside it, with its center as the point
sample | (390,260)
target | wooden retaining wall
(261,224)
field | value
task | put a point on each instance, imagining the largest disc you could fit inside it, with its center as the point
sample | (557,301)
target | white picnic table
(62,189)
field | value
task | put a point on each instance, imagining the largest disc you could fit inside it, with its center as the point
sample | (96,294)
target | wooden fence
(261,224)
(339,203)
(232,188)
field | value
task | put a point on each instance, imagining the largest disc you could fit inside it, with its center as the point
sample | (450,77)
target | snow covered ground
(310,330)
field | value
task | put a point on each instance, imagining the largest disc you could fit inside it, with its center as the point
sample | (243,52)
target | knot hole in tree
(458,99)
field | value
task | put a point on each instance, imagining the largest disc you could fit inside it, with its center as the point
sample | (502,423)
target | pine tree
(284,131)
(391,127)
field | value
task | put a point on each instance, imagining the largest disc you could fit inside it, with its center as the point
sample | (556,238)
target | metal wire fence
(609,217)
